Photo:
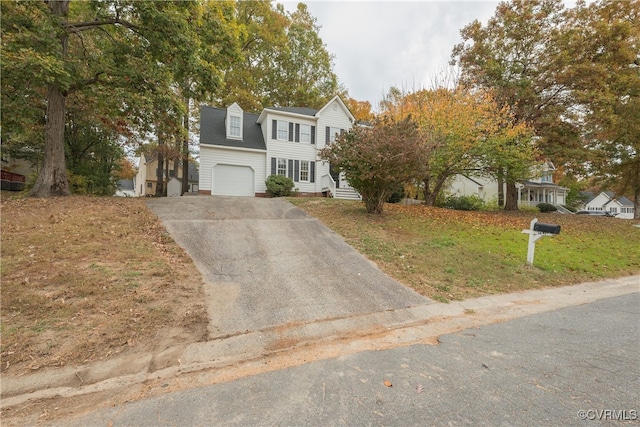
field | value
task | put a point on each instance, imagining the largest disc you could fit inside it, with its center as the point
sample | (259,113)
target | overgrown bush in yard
(279,185)
(546,207)
(463,203)
(570,208)
(377,160)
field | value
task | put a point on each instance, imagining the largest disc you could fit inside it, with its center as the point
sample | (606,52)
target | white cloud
(378,44)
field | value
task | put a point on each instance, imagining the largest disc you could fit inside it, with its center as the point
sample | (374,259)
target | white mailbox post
(536,231)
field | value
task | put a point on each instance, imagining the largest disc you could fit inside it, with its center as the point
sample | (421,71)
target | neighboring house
(145,181)
(608,202)
(539,189)
(239,150)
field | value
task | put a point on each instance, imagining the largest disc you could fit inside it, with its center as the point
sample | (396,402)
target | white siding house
(606,201)
(239,150)
(539,189)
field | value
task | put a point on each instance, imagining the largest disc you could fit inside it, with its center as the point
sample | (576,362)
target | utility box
(546,228)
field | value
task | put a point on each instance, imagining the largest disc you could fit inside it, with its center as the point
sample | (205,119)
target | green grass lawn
(451,255)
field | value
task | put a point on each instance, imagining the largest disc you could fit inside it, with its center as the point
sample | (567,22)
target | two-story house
(539,189)
(239,150)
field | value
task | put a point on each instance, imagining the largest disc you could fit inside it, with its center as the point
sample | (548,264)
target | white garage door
(231,180)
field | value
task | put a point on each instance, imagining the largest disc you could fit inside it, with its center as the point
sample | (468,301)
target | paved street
(552,368)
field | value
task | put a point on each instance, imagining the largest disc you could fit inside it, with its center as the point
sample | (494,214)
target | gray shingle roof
(624,201)
(213,131)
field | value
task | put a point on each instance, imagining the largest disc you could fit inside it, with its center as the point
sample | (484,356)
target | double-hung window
(282,167)
(304,170)
(305,133)
(333,134)
(234,126)
(283,130)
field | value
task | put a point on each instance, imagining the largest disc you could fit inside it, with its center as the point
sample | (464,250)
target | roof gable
(338,100)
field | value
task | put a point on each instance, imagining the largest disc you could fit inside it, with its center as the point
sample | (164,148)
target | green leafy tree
(377,160)
(604,39)
(283,60)
(132,52)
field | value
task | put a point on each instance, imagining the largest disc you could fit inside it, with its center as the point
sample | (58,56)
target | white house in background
(239,150)
(607,202)
(540,189)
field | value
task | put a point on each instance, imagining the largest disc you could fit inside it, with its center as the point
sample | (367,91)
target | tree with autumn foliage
(377,159)
(519,56)
(573,75)
(463,132)
(361,110)
(604,76)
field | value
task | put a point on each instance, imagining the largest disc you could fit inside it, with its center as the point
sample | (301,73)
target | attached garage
(233,180)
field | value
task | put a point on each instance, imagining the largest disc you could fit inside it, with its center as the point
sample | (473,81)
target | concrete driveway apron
(267,263)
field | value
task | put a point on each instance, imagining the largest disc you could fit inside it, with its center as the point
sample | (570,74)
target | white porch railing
(329,184)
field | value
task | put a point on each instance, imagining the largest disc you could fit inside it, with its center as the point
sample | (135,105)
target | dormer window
(233,121)
(234,127)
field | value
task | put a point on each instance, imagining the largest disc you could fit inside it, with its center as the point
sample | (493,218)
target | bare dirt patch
(85,279)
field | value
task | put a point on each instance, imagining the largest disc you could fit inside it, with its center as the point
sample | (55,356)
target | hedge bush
(279,185)
(546,207)
(463,203)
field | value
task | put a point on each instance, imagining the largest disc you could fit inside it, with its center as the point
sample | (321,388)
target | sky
(381,44)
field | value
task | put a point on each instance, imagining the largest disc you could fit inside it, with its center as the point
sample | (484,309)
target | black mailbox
(546,228)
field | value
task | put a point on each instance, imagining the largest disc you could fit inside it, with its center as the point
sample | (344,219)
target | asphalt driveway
(267,263)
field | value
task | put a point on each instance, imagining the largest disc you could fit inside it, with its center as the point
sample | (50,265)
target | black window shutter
(291,131)
(296,177)
(297,132)
(290,171)
(273,166)
(328,129)
(312,172)
(341,131)
(313,134)
(274,129)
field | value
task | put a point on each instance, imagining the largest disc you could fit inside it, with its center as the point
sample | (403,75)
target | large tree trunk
(500,179)
(185,152)
(52,179)
(431,195)
(511,201)
(160,173)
